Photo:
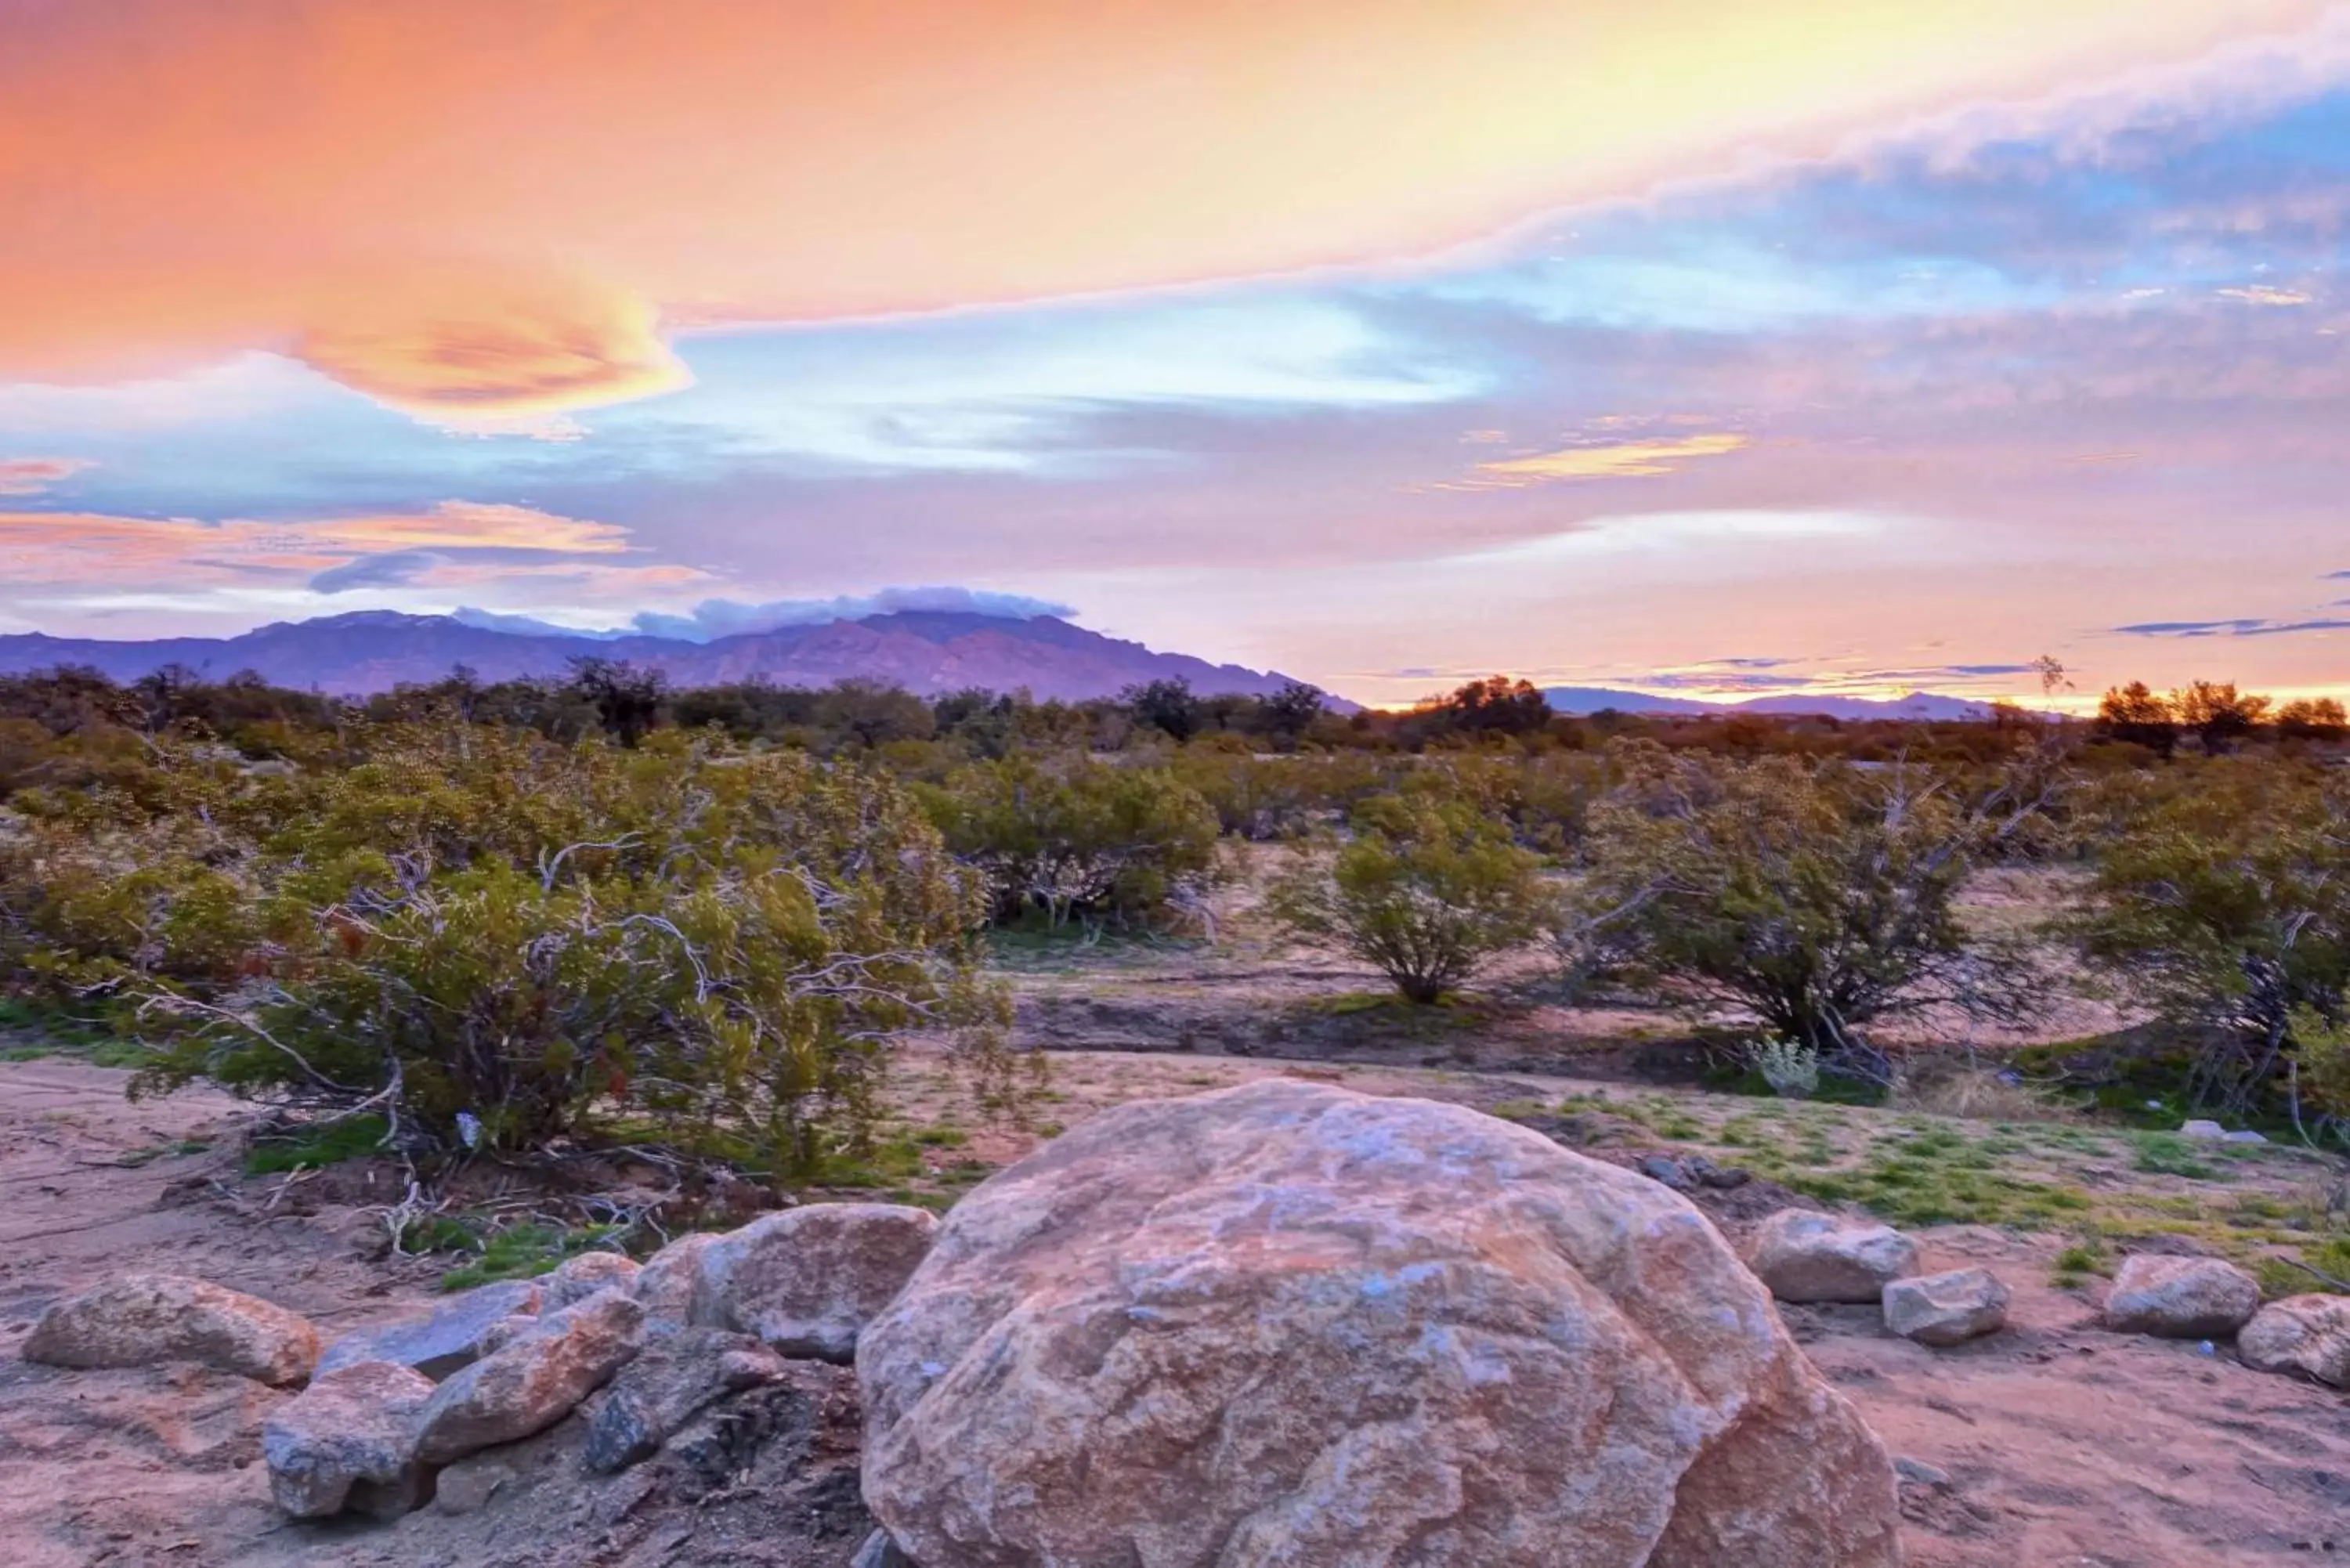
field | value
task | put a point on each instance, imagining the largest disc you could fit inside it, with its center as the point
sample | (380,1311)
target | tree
(2229,906)
(2219,715)
(2313,718)
(1168,706)
(1493,706)
(1290,712)
(1426,890)
(627,700)
(1820,897)
(2137,715)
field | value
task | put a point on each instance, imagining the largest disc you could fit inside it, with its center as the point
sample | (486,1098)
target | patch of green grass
(522,1252)
(176,1149)
(943,1137)
(2168,1154)
(2088,1257)
(329,1144)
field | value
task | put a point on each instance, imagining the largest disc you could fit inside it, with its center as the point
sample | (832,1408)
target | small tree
(1426,890)
(1818,897)
(1168,706)
(2229,906)
(2138,716)
(627,700)
(2220,716)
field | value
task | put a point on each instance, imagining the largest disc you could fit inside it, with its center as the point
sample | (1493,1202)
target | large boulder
(1284,1324)
(140,1319)
(455,1334)
(529,1384)
(1806,1256)
(807,1281)
(348,1440)
(1946,1309)
(2180,1298)
(2308,1334)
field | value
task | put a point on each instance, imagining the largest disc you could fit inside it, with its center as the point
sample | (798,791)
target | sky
(1692,346)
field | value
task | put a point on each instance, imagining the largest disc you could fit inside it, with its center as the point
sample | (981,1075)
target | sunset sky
(1693,346)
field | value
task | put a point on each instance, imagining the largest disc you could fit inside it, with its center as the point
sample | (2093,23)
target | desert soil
(2054,1443)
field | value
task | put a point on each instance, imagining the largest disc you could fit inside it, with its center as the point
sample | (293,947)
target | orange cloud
(480,209)
(31,475)
(1625,459)
(475,525)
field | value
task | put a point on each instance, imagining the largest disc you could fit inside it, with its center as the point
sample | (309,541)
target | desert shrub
(1426,889)
(1818,897)
(1075,838)
(1791,1067)
(1954,1087)
(498,941)
(2228,907)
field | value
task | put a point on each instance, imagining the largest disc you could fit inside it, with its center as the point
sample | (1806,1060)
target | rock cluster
(1286,1324)
(386,1408)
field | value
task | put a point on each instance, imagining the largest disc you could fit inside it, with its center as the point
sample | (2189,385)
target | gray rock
(1946,1309)
(2309,1334)
(2203,1129)
(665,1284)
(1918,1473)
(880,1551)
(1658,1168)
(582,1277)
(467,1486)
(2246,1135)
(808,1280)
(348,1440)
(1805,1256)
(141,1319)
(670,1379)
(533,1383)
(441,1342)
(2180,1298)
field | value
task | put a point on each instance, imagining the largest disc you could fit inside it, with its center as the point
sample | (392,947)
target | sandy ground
(2055,1442)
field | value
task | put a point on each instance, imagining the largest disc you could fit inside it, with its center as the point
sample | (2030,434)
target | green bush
(1076,838)
(1428,889)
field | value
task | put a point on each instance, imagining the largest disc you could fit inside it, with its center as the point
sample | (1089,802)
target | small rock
(807,1281)
(2212,1130)
(2309,1334)
(140,1319)
(533,1382)
(2180,1298)
(665,1284)
(1946,1309)
(1657,1168)
(467,1486)
(2246,1135)
(348,1440)
(582,1277)
(1919,1473)
(1806,1256)
(671,1379)
(443,1340)
(880,1551)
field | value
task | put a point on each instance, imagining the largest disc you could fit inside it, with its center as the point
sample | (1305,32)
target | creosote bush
(704,944)
(1426,889)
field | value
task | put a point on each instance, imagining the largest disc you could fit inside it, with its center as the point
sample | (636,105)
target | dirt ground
(2050,1444)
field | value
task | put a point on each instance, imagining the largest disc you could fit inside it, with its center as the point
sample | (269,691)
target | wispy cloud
(31,475)
(1619,460)
(2262,294)
(2241,626)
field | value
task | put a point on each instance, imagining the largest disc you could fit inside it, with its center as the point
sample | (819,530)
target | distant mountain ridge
(926,651)
(1581,699)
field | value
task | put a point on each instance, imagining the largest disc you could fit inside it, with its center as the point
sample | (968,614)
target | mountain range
(925,652)
(1579,700)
